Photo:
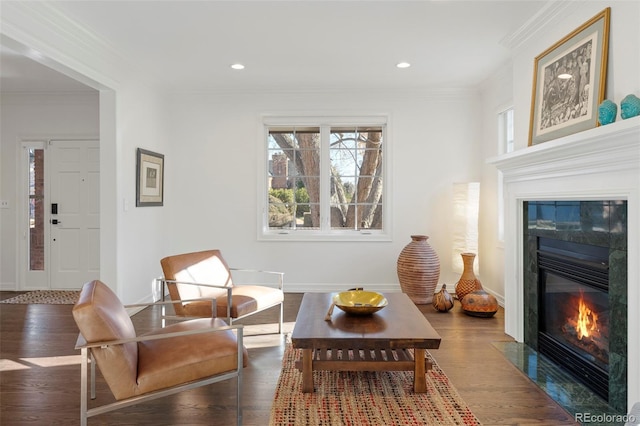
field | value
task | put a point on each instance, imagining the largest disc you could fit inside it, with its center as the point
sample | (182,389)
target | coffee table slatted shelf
(382,359)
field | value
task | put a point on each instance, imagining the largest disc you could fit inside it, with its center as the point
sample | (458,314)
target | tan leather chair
(206,275)
(179,357)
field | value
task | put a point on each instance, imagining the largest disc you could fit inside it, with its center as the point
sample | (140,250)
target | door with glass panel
(64,214)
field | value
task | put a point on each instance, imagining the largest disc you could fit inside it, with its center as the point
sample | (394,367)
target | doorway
(61,218)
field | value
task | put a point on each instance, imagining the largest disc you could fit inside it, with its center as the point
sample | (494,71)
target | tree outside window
(326,178)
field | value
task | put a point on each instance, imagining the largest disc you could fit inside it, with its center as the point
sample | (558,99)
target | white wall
(204,137)
(437,139)
(513,86)
(623,75)
(35,116)
(141,232)
(212,186)
(131,115)
(497,94)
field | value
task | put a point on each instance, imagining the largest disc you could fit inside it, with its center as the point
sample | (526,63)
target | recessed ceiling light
(237,66)
(403,65)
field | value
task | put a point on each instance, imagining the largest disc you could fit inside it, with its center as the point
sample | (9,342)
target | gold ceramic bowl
(360,302)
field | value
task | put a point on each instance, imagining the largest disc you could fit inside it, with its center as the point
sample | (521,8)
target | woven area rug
(47,297)
(365,398)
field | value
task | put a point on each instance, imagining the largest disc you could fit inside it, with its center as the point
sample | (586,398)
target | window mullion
(325,179)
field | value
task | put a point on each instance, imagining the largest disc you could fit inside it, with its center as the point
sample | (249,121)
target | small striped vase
(418,270)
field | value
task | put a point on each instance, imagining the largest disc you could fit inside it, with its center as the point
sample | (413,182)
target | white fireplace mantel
(597,164)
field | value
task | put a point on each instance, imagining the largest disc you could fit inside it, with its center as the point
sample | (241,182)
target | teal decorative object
(607,112)
(630,106)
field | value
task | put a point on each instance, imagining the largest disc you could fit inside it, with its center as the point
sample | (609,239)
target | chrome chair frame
(89,379)
(280,285)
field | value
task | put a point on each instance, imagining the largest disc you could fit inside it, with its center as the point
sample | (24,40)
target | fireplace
(575,282)
(574,313)
(597,164)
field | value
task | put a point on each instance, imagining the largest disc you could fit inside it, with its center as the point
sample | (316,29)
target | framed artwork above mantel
(569,82)
(149,178)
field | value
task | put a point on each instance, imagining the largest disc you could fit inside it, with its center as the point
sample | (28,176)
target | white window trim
(502,149)
(502,137)
(266,234)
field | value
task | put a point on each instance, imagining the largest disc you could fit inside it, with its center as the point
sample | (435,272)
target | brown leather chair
(206,275)
(179,357)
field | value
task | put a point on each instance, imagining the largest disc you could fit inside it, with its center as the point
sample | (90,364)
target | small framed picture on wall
(149,178)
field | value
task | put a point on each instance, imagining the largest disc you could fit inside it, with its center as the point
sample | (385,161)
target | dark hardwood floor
(40,375)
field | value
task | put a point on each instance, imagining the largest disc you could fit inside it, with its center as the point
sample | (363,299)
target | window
(324,180)
(505,146)
(36,209)
(505,123)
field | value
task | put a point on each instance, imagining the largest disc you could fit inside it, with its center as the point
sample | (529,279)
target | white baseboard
(499,298)
(8,287)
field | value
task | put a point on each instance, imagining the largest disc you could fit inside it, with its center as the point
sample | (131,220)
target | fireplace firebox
(575,291)
(574,318)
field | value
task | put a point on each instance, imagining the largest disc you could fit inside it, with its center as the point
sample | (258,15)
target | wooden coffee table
(394,338)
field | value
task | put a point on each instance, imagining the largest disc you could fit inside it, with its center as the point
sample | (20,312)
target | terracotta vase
(479,303)
(418,270)
(468,281)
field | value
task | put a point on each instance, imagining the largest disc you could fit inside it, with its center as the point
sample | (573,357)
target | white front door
(74,213)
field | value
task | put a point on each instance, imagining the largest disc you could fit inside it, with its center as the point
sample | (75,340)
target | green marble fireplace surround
(600,223)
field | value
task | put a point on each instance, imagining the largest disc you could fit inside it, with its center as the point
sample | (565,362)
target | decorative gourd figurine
(607,112)
(630,106)
(442,300)
(479,303)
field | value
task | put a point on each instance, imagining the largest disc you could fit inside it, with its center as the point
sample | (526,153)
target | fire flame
(587,320)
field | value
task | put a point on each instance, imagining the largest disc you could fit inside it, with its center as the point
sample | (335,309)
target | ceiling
(291,45)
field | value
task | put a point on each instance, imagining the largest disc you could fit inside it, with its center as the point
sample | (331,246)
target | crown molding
(41,32)
(548,15)
(378,93)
